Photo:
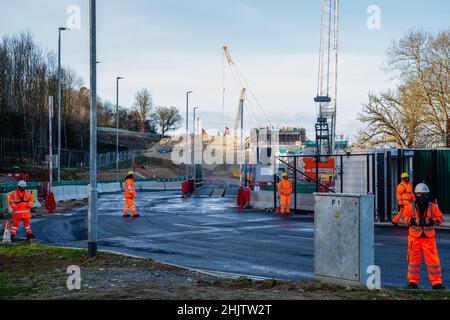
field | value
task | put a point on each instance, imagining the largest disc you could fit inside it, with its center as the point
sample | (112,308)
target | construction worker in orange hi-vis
(21,202)
(421,218)
(285,189)
(405,197)
(130,195)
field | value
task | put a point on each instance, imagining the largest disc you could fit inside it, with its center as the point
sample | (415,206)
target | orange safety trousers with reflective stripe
(285,189)
(405,197)
(21,203)
(421,240)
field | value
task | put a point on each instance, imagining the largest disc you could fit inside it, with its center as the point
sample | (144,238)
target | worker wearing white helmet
(21,202)
(421,218)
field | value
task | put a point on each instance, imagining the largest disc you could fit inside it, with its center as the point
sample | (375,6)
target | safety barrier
(153,186)
(169,186)
(82,192)
(69,193)
(79,191)
(58,192)
(265,200)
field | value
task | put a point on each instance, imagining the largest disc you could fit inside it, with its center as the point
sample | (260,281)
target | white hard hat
(22,184)
(422,188)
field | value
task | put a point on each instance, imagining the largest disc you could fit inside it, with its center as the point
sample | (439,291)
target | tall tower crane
(326,98)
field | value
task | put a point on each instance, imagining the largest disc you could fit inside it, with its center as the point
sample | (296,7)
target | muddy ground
(39,272)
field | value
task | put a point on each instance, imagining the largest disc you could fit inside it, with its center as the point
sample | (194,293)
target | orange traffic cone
(7,233)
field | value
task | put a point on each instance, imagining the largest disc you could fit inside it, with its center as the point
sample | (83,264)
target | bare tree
(417,112)
(167,119)
(423,59)
(143,104)
(393,119)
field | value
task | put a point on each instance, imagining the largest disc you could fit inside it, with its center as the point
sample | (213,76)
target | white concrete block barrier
(138,186)
(82,192)
(58,192)
(153,186)
(264,200)
(174,185)
(70,193)
(115,187)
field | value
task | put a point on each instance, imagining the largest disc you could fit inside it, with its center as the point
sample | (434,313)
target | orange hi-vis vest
(433,212)
(405,194)
(130,189)
(21,203)
(285,187)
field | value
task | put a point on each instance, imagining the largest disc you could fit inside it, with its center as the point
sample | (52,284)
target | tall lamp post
(60,29)
(193,143)
(117,127)
(93,193)
(187,134)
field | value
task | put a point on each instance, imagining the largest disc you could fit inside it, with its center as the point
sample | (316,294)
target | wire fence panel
(14,152)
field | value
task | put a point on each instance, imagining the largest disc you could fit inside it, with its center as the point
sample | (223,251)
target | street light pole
(93,193)
(187,135)
(117,128)
(59,101)
(193,143)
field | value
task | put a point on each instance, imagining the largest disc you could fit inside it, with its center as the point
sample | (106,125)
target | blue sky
(171,46)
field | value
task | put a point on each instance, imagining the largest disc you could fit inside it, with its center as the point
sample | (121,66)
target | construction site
(160,204)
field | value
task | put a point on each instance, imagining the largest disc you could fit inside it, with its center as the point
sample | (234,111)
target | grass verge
(39,272)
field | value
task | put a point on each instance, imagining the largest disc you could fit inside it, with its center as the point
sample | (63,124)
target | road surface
(211,234)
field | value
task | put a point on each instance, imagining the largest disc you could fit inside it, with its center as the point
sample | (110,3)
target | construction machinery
(326,98)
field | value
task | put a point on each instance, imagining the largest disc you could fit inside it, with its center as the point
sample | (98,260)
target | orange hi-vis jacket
(433,212)
(21,203)
(285,187)
(405,194)
(130,189)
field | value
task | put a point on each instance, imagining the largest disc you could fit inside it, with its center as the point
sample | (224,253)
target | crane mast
(326,98)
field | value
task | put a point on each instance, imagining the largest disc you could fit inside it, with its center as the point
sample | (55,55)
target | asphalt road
(211,234)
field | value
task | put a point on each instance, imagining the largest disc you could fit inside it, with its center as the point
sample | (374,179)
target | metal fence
(342,173)
(14,152)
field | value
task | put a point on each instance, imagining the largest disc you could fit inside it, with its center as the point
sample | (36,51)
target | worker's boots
(30,237)
(412,286)
(13,239)
(126,216)
(137,215)
(439,287)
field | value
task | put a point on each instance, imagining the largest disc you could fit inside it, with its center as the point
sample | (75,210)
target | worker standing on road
(130,195)
(421,218)
(405,197)
(285,189)
(21,202)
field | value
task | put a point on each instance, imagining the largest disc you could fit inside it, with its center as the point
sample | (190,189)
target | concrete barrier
(173,185)
(58,192)
(153,185)
(82,192)
(69,193)
(138,186)
(115,187)
(102,188)
(264,200)
(36,203)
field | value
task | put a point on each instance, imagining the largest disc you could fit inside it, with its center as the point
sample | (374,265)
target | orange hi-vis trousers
(285,204)
(16,224)
(130,207)
(427,246)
